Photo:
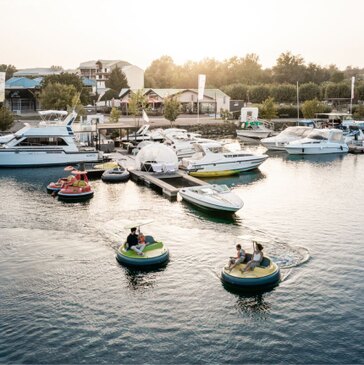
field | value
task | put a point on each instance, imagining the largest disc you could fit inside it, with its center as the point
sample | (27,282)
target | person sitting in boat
(141,239)
(256,259)
(239,259)
(132,242)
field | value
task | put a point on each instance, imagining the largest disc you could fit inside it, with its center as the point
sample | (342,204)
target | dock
(168,184)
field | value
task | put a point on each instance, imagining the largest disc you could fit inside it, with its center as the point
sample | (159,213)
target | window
(42,141)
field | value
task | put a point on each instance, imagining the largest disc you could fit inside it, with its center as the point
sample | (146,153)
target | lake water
(65,299)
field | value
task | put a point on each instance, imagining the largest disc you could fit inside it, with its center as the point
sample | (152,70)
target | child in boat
(256,259)
(133,242)
(141,239)
(239,259)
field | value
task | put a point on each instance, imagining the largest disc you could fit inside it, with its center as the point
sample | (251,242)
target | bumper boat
(266,275)
(77,190)
(155,254)
(55,187)
(115,175)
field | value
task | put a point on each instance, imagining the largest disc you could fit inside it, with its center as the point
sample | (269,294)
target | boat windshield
(221,188)
(296,131)
(319,134)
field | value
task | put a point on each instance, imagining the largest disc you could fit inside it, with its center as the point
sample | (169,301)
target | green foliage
(359,92)
(311,107)
(341,90)
(114,115)
(284,93)
(9,70)
(225,115)
(236,91)
(289,68)
(109,95)
(171,109)
(257,94)
(359,112)
(6,119)
(57,96)
(288,111)
(337,76)
(137,103)
(161,73)
(268,110)
(117,80)
(309,91)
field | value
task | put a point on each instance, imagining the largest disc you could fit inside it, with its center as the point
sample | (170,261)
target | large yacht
(46,145)
(211,159)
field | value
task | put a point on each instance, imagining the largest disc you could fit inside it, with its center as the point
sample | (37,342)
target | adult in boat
(257,257)
(239,259)
(133,242)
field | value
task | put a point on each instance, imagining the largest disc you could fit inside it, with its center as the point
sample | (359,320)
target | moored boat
(213,197)
(78,190)
(115,175)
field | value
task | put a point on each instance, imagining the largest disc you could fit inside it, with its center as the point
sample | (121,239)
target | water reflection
(316,159)
(142,279)
(244,178)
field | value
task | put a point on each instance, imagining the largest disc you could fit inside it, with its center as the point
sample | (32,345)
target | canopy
(50,112)
(157,153)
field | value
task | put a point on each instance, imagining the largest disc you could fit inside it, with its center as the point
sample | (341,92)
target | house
(100,71)
(213,99)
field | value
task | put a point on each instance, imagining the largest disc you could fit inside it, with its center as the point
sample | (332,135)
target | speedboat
(78,189)
(319,141)
(278,142)
(212,159)
(46,145)
(253,130)
(266,275)
(214,197)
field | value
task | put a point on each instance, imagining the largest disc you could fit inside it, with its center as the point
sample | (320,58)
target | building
(100,71)
(213,99)
(37,72)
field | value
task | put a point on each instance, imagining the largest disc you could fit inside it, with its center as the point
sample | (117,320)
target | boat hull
(316,150)
(75,197)
(33,158)
(110,176)
(241,133)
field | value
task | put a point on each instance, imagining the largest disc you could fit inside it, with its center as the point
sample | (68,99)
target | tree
(9,70)
(284,93)
(337,90)
(257,94)
(114,115)
(225,114)
(117,80)
(309,91)
(359,112)
(109,95)
(311,107)
(137,103)
(57,96)
(236,91)
(171,109)
(6,119)
(267,109)
(56,68)
(161,73)
(289,68)
(359,92)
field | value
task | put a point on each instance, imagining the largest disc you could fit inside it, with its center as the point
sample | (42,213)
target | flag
(352,87)
(145,117)
(201,86)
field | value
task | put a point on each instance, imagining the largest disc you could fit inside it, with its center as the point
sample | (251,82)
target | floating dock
(167,183)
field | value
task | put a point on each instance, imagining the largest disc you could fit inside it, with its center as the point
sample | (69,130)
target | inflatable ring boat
(155,254)
(115,175)
(263,276)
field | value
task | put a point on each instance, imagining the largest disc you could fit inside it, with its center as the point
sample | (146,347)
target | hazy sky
(41,33)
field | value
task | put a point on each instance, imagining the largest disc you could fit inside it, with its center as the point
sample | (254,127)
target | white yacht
(319,141)
(290,134)
(46,145)
(144,134)
(214,197)
(212,159)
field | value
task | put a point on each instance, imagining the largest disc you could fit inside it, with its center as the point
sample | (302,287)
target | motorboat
(155,253)
(266,275)
(143,134)
(213,197)
(212,159)
(46,145)
(319,141)
(253,129)
(78,189)
(115,175)
(278,142)
(55,187)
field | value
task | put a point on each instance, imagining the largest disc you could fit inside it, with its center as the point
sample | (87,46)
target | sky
(42,33)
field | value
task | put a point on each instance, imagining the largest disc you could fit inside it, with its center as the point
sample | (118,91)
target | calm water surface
(65,299)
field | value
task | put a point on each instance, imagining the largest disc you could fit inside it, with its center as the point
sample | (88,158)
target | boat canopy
(53,112)
(334,135)
(157,153)
(298,131)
